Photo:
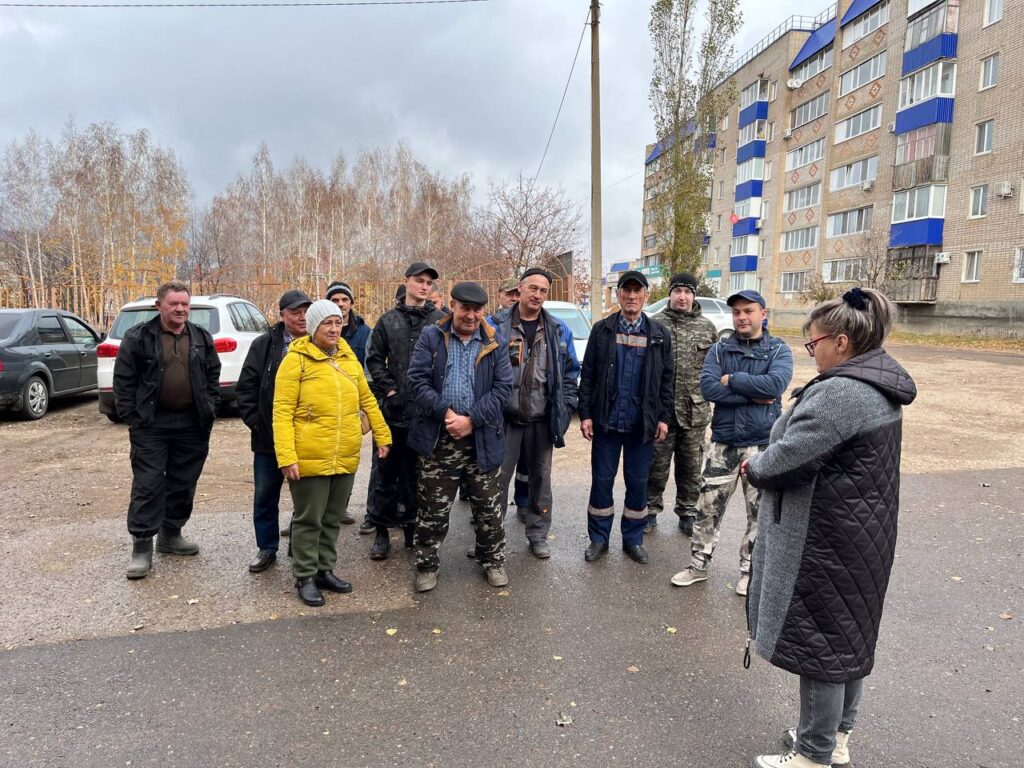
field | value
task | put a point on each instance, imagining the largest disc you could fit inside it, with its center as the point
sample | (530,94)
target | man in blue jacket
(460,380)
(744,375)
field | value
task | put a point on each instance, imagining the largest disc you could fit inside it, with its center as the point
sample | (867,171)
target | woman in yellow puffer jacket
(318,393)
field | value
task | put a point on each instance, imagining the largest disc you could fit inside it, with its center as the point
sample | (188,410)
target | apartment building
(874,139)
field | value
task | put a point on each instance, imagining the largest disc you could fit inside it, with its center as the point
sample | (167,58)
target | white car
(715,310)
(578,323)
(232,321)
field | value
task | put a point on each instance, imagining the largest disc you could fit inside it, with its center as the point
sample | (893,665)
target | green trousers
(319,505)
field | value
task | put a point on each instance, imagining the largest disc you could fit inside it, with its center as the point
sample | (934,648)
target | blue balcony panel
(858,8)
(940,47)
(749,150)
(820,39)
(750,188)
(919,232)
(707,239)
(744,227)
(936,110)
(756,111)
(743,263)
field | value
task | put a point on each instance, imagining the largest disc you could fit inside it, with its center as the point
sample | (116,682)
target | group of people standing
(459,402)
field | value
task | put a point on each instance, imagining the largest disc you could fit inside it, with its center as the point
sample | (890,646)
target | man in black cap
(625,406)
(744,375)
(393,497)
(692,337)
(355,331)
(255,392)
(460,380)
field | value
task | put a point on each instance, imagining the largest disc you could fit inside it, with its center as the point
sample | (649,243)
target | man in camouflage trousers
(692,336)
(460,380)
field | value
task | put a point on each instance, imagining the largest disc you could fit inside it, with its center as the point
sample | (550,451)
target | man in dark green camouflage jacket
(692,336)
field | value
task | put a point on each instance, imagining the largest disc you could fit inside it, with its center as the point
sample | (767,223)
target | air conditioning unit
(759,224)
(867,186)
(892,127)
(787,134)
(1005,189)
(942,257)
(794,83)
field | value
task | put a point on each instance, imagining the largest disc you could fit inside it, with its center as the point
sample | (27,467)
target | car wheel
(114,418)
(35,398)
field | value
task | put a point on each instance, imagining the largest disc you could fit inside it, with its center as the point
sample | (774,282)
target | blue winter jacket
(760,369)
(492,389)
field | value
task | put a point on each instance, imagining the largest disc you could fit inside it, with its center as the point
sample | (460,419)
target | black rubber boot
(142,558)
(381,545)
(410,536)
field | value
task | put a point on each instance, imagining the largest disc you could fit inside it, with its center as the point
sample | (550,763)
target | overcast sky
(470,87)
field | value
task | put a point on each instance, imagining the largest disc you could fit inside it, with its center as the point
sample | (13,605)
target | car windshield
(129,318)
(575,320)
(8,322)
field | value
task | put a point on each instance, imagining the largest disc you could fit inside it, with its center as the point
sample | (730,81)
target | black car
(44,353)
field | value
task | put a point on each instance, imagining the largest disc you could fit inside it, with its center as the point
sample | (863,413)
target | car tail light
(225,345)
(106,350)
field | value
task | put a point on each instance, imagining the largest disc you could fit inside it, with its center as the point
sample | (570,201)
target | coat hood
(879,370)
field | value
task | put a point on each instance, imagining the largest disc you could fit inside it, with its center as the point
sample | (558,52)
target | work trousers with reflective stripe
(636,456)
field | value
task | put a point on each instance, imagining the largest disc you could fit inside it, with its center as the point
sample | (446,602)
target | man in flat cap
(393,500)
(460,380)
(625,405)
(692,337)
(255,391)
(355,331)
(744,375)
(544,396)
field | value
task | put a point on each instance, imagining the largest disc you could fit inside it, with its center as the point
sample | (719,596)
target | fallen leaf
(436,631)
(671,630)
(985,485)
(391,632)
(1006,615)
(563,720)
(991,629)
(503,593)
(173,597)
(557,658)
(632,668)
(957,578)
(193,601)
(403,681)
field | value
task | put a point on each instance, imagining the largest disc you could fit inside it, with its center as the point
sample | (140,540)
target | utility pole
(596,267)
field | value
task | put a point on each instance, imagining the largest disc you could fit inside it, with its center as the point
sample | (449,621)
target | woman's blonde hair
(864,315)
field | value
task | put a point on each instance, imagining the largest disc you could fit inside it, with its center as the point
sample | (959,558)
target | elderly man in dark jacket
(744,375)
(166,388)
(544,396)
(255,393)
(460,379)
(625,405)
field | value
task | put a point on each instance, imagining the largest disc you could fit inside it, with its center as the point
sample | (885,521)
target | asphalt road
(476,676)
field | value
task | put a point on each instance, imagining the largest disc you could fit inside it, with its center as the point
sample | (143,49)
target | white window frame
(750,132)
(872,116)
(771,131)
(989,66)
(744,245)
(741,281)
(865,24)
(919,138)
(725,122)
(927,83)
(799,278)
(754,166)
(993,12)
(650,241)
(990,132)
(819,62)
(752,93)
(870,70)
(813,109)
(843,270)
(1017,276)
(839,223)
(972,267)
(808,196)
(934,203)
(930,24)
(803,155)
(978,207)
(804,243)
(852,174)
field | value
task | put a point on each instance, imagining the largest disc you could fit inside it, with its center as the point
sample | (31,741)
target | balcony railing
(918,172)
(915,290)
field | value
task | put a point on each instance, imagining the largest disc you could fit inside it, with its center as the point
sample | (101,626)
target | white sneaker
(743,584)
(690,576)
(790,759)
(840,755)
(496,576)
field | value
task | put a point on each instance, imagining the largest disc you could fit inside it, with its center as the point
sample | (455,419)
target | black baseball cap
(747,295)
(469,293)
(419,267)
(634,276)
(293,300)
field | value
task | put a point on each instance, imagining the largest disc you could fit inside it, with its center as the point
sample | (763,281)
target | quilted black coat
(827,520)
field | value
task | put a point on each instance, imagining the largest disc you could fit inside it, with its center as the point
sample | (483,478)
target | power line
(297,4)
(564,92)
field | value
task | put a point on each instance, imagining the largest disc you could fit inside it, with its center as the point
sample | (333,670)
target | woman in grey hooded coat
(827,522)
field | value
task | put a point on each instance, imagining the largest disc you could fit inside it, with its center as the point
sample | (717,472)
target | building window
(1018,264)
(843,270)
(721,189)
(989,72)
(858,124)
(744,246)
(984,134)
(938,79)
(916,145)
(800,239)
(718,254)
(809,110)
(794,282)
(743,208)
(819,62)
(979,201)
(751,169)
(762,245)
(650,241)
(742,281)
(919,203)
(756,91)
(993,11)
(972,267)
(754,131)
(862,74)
(725,122)
(764,209)
(865,24)
(804,197)
(771,131)
(808,153)
(854,173)
(649,216)
(718,225)
(941,18)
(768,170)
(773,90)
(849,222)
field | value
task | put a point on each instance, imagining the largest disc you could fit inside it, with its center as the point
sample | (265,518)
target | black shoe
(651,523)
(286,531)
(327,580)
(381,545)
(141,562)
(686,526)
(595,550)
(636,552)
(410,536)
(263,560)
(366,527)
(347,519)
(308,592)
(540,549)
